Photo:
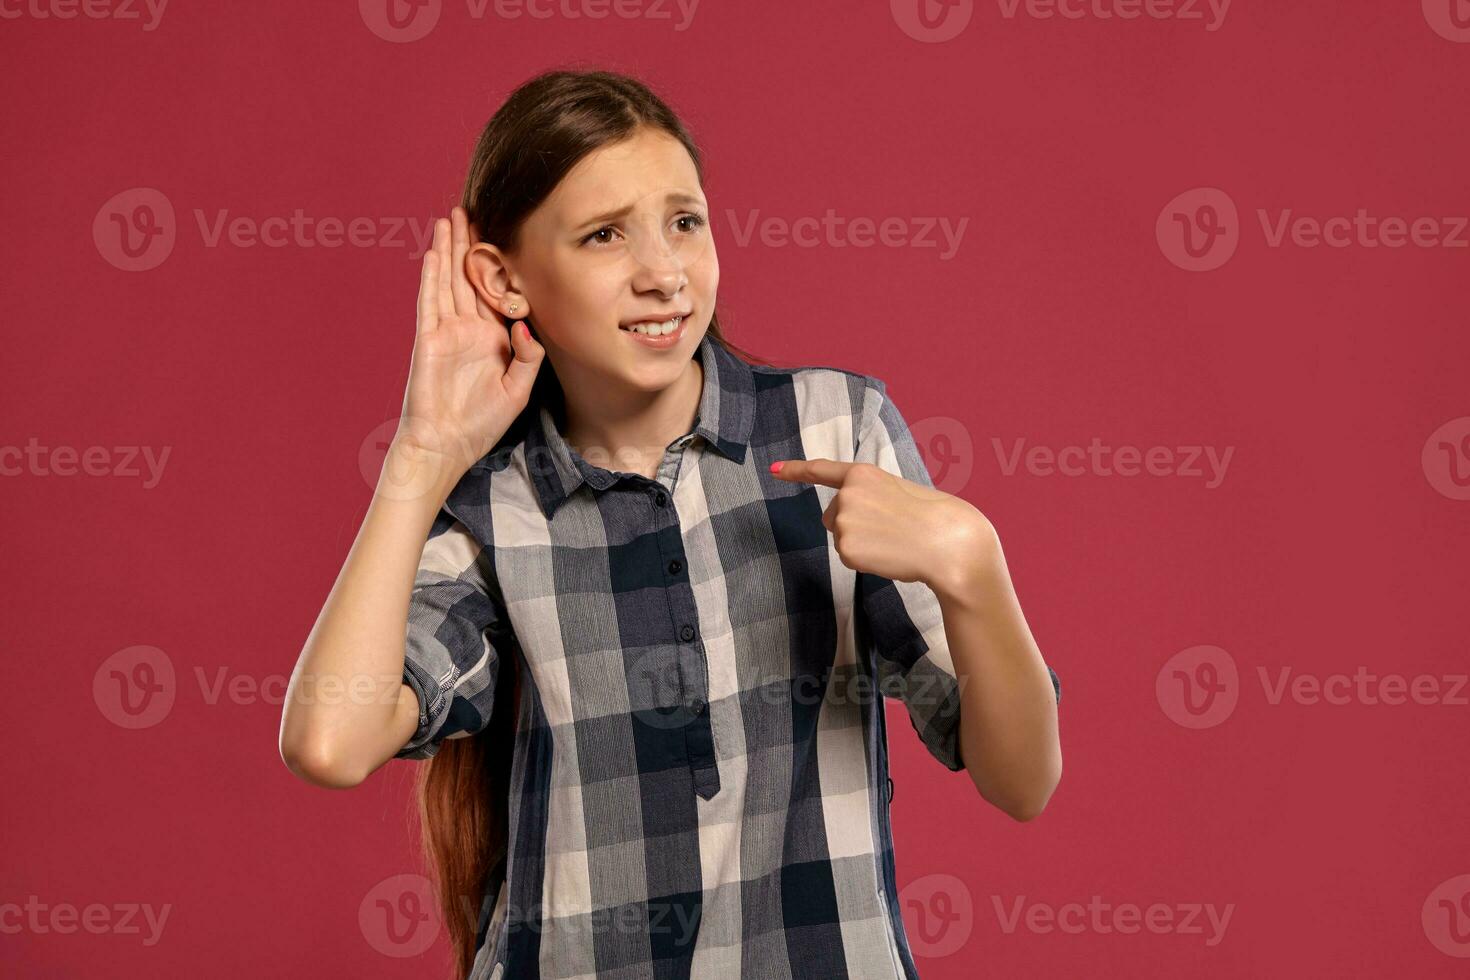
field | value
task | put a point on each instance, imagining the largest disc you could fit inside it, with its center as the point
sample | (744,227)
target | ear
(488,271)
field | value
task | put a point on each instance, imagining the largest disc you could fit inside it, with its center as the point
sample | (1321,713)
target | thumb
(529,353)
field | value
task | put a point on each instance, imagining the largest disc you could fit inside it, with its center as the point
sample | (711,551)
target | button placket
(693,669)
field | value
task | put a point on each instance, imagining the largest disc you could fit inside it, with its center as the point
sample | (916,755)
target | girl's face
(624,237)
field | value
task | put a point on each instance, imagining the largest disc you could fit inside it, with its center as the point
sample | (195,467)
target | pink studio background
(1077,152)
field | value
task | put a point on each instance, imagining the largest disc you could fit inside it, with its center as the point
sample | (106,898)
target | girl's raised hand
(470,376)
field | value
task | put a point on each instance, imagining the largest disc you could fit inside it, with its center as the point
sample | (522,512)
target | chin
(654,377)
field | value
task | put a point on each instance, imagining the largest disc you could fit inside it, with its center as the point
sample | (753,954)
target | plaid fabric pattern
(699,785)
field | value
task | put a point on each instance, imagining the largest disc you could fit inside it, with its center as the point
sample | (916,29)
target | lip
(658,343)
(656,318)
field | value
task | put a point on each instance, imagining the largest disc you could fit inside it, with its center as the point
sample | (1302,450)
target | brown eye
(594,234)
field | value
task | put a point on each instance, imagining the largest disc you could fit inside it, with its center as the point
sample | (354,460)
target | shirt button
(675,566)
(660,498)
(696,705)
(686,632)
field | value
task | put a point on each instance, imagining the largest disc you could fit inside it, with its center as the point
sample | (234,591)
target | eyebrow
(673,197)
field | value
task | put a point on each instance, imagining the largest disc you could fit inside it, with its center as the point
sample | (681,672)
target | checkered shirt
(699,785)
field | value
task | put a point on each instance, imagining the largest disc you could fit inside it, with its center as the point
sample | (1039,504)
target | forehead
(637,171)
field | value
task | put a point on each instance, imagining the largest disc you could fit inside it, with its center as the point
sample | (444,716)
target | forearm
(1008,713)
(346,705)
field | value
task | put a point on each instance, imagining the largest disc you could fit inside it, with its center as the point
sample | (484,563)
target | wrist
(973,567)
(412,472)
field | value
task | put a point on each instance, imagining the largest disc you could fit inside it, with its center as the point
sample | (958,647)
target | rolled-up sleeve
(903,620)
(457,631)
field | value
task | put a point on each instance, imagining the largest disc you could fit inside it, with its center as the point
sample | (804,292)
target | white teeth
(656,329)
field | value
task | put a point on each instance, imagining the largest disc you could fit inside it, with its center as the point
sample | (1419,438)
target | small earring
(513,307)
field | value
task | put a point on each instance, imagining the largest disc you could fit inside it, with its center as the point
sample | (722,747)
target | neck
(628,430)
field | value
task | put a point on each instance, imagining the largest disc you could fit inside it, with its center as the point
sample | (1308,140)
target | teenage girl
(637,600)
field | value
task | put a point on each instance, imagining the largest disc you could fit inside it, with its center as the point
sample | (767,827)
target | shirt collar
(726,417)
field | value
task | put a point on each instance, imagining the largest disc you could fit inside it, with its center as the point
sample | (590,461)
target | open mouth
(652,328)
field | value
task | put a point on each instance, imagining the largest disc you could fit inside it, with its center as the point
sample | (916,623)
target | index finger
(827,472)
(428,289)
(459,282)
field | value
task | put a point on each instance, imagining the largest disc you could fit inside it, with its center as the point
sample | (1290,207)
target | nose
(659,268)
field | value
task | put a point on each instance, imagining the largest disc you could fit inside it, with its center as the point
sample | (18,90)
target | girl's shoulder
(816,376)
(821,390)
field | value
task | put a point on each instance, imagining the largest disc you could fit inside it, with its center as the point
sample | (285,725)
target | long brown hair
(540,132)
